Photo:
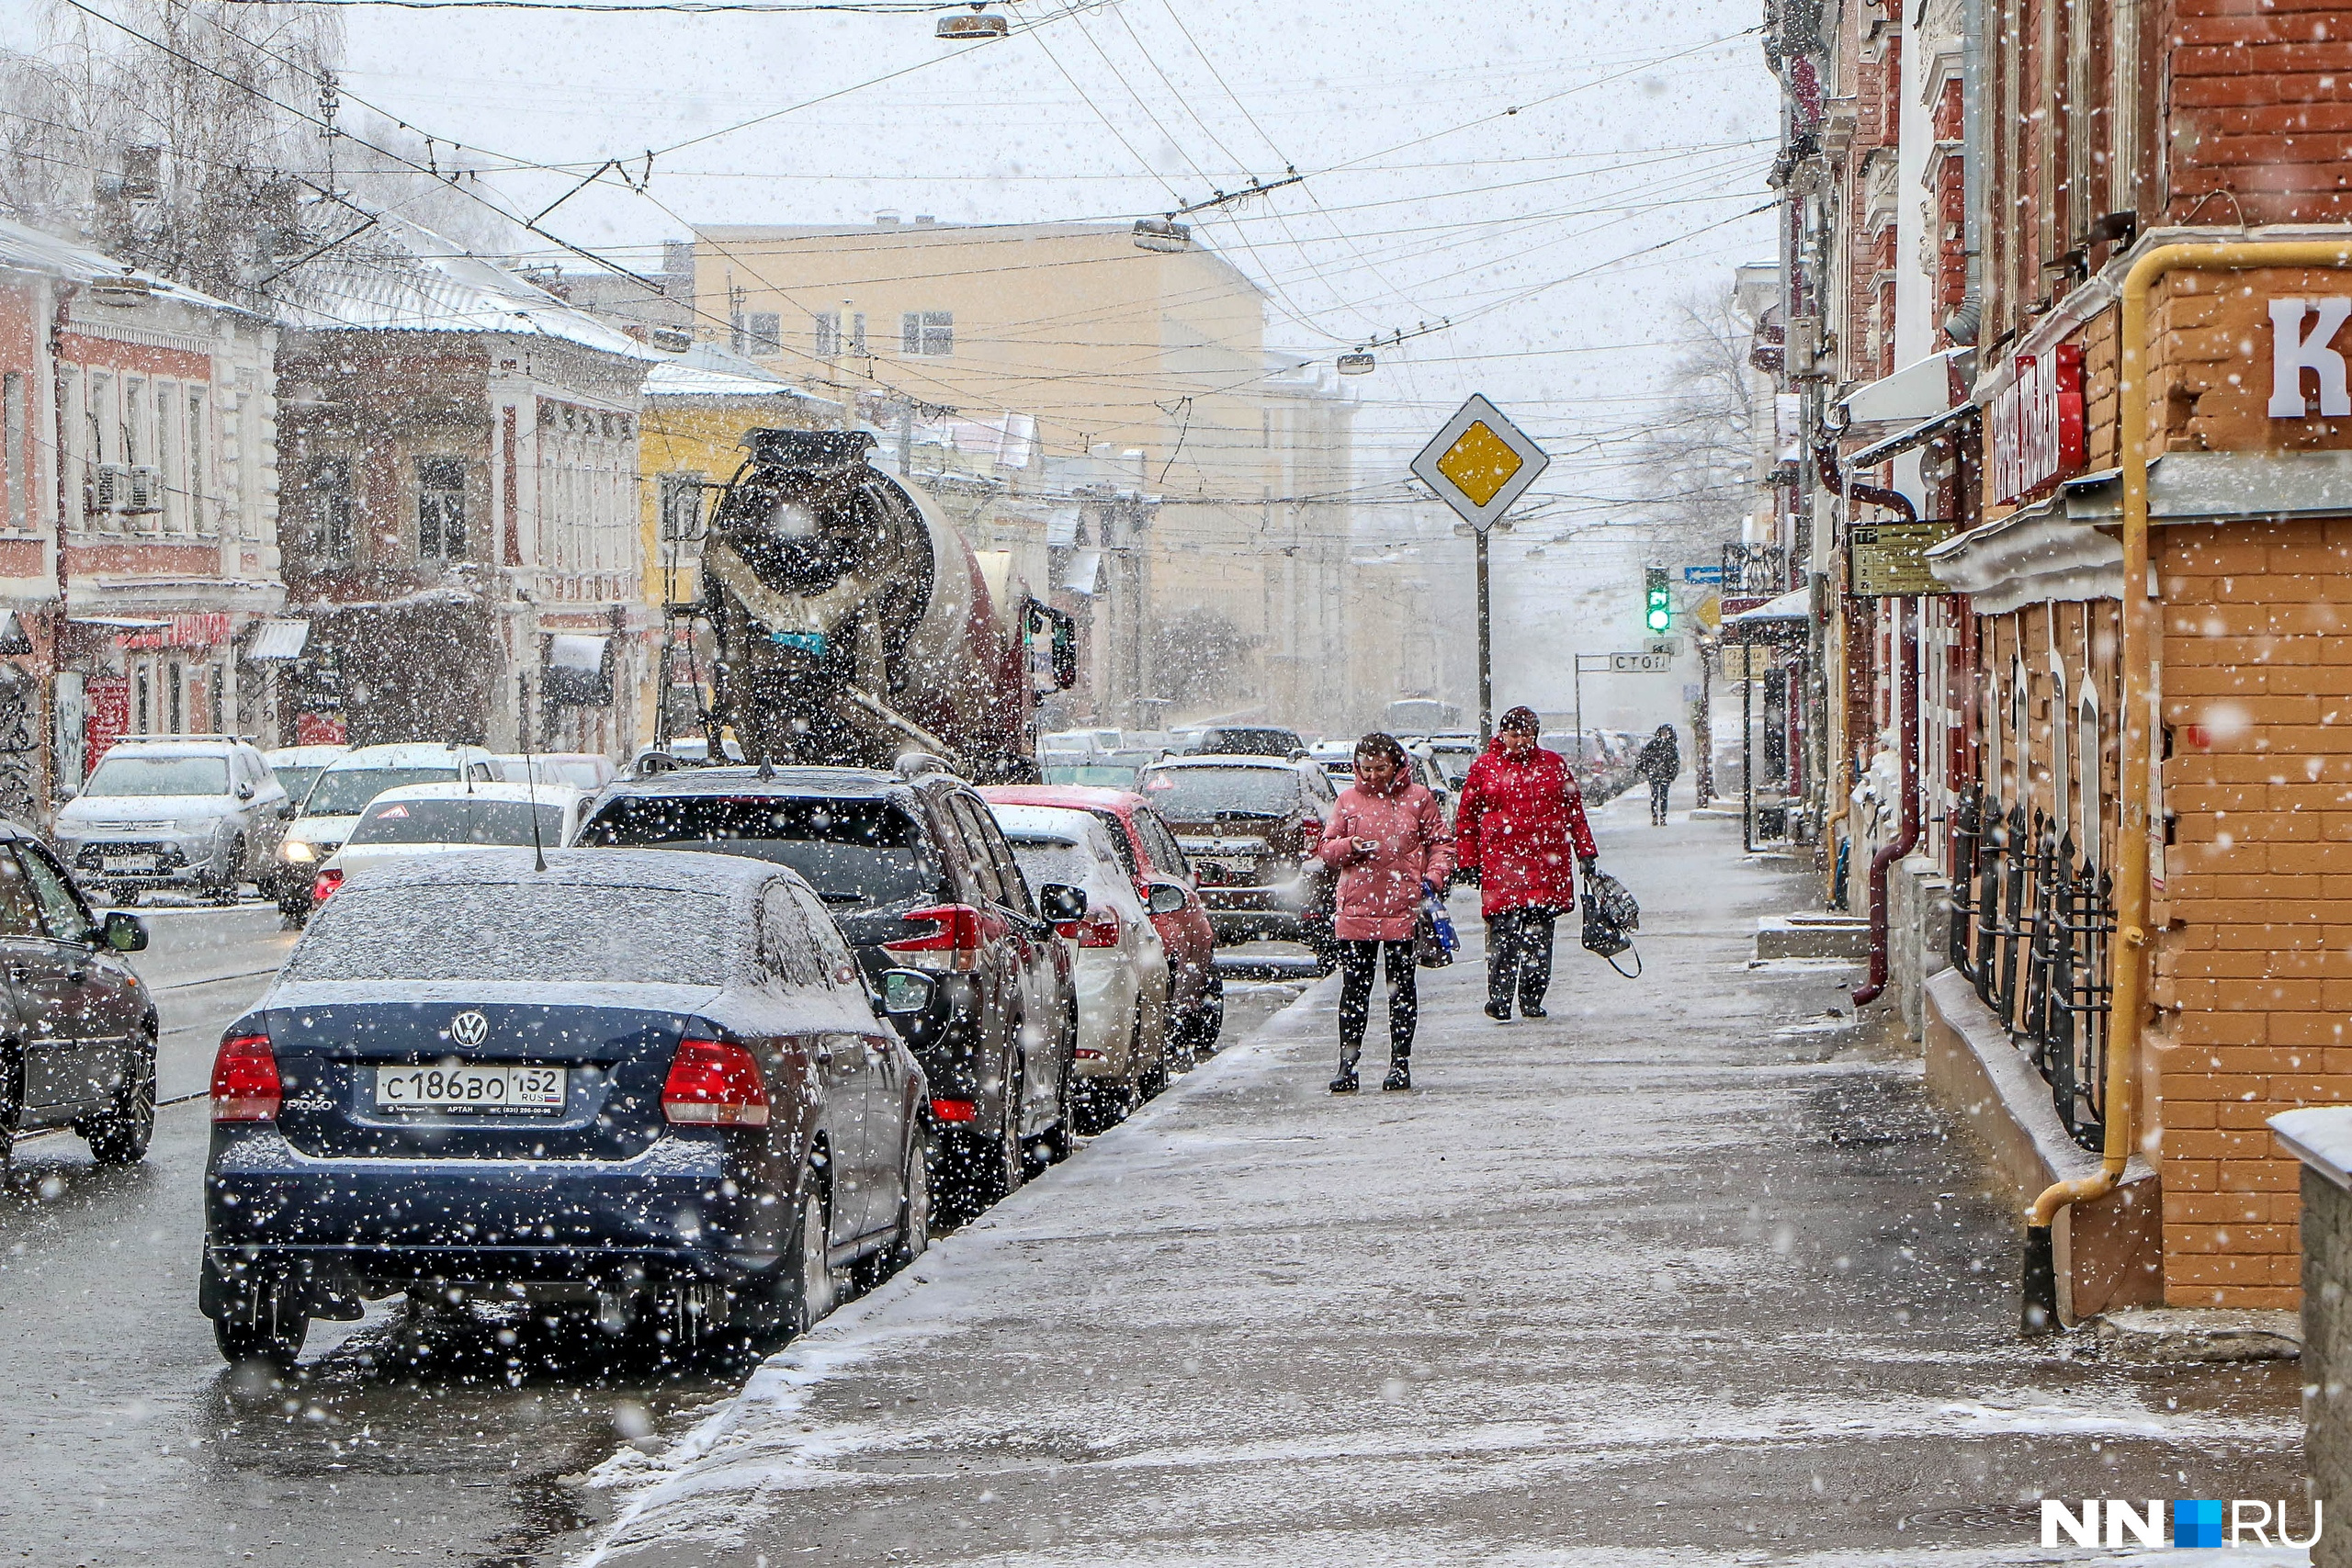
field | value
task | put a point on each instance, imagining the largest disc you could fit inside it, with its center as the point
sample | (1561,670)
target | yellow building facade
(1144,369)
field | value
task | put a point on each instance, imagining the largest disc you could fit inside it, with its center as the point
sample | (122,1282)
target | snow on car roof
(1229,759)
(407,754)
(672,871)
(1081,797)
(746,781)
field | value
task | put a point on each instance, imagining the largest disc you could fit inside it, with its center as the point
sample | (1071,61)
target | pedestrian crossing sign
(1479,462)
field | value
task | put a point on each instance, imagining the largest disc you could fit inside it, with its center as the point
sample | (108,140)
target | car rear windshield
(543,933)
(462,821)
(1199,795)
(345,792)
(159,775)
(852,851)
(1051,860)
(1453,766)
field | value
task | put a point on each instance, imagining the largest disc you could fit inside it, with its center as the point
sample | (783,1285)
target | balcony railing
(2032,925)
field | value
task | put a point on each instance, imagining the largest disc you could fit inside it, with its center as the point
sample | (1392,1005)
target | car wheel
(261,1321)
(120,1136)
(12,1099)
(813,1290)
(983,1168)
(1210,1024)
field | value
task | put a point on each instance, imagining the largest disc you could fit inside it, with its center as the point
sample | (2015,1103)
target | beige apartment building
(1152,366)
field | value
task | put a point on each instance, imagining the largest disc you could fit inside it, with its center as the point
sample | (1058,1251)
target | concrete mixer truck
(853,623)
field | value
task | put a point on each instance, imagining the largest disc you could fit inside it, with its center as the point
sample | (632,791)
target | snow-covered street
(1689,1272)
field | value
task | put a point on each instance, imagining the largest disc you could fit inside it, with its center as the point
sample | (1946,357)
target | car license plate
(127,862)
(467,1086)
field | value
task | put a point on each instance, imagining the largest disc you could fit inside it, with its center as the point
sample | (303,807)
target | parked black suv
(914,870)
(77,1048)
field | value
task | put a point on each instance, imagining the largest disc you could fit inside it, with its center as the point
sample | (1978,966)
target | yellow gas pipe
(2140,717)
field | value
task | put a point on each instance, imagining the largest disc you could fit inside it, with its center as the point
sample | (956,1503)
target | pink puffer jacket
(1380,893)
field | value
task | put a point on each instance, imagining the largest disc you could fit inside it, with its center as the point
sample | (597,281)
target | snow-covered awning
(119,623)
(573,651)
(1921,390)
(1061,529)
(1795,606)
(278,641)
(1085,572)
(13,639)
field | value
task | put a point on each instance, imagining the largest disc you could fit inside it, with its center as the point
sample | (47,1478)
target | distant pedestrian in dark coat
(1521,825)
(1661,763)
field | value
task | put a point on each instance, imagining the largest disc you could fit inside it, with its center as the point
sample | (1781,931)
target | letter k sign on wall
(2293,351)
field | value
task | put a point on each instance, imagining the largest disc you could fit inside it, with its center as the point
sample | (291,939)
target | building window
(167,455)
(680,506)
(14,471)
(759,333)
(930,334)
(200,514)
(440,509)
(327,494)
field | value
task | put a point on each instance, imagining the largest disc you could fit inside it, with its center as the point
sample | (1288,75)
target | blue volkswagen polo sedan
(642,1084)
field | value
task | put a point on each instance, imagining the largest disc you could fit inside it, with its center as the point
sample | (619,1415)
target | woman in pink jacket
(1387,839)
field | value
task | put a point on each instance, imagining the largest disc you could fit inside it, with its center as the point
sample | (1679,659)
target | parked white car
(1122,968)
(341,793)
(424,819)
(201,812)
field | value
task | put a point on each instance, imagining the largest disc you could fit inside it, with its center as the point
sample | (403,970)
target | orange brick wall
(2252,963)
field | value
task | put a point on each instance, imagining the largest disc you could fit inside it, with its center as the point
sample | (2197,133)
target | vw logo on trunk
(469,1029)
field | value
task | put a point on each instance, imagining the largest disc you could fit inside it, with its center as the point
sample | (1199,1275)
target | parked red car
(1152,855)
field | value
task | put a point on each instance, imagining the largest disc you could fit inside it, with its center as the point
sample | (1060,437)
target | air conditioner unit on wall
(110,487)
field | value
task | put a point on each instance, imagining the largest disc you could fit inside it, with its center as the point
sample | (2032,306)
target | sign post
(1479,462)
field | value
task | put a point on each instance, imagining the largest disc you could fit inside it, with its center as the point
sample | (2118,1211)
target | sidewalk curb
(784,1380)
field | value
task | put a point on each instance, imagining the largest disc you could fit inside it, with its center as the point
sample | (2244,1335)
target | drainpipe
(2141,696)
(1965,324)
(1907,834)
(1825,458)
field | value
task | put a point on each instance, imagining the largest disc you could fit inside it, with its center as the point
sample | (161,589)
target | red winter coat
(1380,893)
(1520,824)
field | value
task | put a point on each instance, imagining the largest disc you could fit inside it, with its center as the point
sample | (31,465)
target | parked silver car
(200,811)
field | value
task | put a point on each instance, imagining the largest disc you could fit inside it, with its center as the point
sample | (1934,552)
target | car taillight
(953,941)
(714,1083)
(246,1087)
(955,1109)
(323,886)
(1099,929)
(1310,836)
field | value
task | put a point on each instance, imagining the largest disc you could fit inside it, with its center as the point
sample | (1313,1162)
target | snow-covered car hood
(323,829)
(102,810)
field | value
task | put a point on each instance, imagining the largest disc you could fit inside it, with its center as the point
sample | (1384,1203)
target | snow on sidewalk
(1661,1279)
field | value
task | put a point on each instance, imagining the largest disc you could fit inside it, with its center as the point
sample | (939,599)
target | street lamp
(1356,362)
(980,25)
(1163,234)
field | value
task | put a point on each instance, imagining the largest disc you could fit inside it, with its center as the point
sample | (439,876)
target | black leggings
(1658,788)
(1518,956)
(1356,961)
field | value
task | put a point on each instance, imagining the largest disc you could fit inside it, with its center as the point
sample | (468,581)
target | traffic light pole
(1485,648)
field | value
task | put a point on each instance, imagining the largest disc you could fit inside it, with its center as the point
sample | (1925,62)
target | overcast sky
(1561,237)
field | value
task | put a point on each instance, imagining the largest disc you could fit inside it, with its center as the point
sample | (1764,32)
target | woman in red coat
(1387,841)
(1521,826)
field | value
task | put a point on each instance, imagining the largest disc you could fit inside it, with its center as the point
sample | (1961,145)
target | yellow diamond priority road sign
(1480,463)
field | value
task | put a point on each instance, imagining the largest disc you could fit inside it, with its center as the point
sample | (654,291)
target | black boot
(1532,1006)
(1345,1083)
(1400,1074)
(1499,1011)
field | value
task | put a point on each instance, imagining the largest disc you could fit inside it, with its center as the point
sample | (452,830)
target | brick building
(2039,152)
(138,512)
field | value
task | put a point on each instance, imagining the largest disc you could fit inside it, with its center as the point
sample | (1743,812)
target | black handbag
(1611,917)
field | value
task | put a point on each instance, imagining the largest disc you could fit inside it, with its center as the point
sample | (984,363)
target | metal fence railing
(2032,928)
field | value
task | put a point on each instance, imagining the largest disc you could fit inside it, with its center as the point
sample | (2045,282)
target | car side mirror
(66,792)
(123,933)
(244,792)
(286,811)
(1059,902)
(904,992)
(1166,898)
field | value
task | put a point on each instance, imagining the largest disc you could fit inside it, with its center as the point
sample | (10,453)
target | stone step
(1809,935)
